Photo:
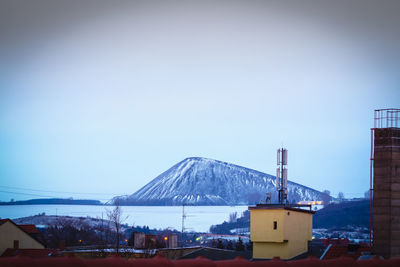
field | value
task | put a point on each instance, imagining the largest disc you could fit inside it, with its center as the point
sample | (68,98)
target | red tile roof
(334,252)
(335,241)
(33,253)
(162,262)
(29,228)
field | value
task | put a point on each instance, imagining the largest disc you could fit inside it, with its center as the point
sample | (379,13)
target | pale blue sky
(101,98)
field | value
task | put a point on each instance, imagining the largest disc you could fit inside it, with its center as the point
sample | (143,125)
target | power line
(60,192)
(36,195)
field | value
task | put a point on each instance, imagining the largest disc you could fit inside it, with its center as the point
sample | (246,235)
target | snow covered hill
(202,181)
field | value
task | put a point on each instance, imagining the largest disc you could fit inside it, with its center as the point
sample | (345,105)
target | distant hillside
(51,201)
(201,181)
(351,213)
(355,213)
(227,228)
(78,222)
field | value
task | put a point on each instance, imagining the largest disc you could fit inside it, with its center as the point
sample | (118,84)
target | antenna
(281,175)
(268,199)
(278,177)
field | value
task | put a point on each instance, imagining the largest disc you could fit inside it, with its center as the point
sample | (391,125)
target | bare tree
(233,217)
(116,218)
(105,229)
(340,196)
(367,194)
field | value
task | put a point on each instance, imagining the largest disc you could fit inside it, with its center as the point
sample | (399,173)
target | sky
(97,98)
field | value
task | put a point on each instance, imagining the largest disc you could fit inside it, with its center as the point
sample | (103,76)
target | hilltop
(202,181)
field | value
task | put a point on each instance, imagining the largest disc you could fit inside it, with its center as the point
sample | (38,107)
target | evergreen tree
(239,245)
(220,244)
(249,246)
(326,197)
(230,245)
(131,239)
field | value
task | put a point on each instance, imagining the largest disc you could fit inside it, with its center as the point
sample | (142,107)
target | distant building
(172,241)
(151,241)
(139,240)
(279,230)
(313,202)
(15,236)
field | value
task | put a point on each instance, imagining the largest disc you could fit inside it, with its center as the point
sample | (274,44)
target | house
(13,236)
(280,230)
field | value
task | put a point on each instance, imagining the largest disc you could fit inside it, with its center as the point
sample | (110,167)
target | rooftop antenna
(268,199)
(281,175)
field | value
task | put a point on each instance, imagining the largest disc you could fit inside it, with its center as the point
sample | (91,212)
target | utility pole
(183,223)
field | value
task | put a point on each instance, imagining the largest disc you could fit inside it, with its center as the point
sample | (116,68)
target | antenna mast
(281,175)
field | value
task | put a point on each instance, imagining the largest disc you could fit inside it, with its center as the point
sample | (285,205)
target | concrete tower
(386,183)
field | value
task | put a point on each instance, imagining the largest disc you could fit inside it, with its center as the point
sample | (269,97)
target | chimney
(16,244)
(385,157)
(61,245)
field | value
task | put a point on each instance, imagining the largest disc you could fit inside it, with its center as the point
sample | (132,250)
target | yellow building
(14,236)
(279,231)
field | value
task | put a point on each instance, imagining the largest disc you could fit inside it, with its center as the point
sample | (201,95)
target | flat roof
(292,207)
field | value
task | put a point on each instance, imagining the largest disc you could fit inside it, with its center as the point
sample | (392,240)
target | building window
(275,225)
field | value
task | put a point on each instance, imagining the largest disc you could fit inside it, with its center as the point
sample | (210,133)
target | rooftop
(29,228)
(32,253)
(292,207)
(337,251)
